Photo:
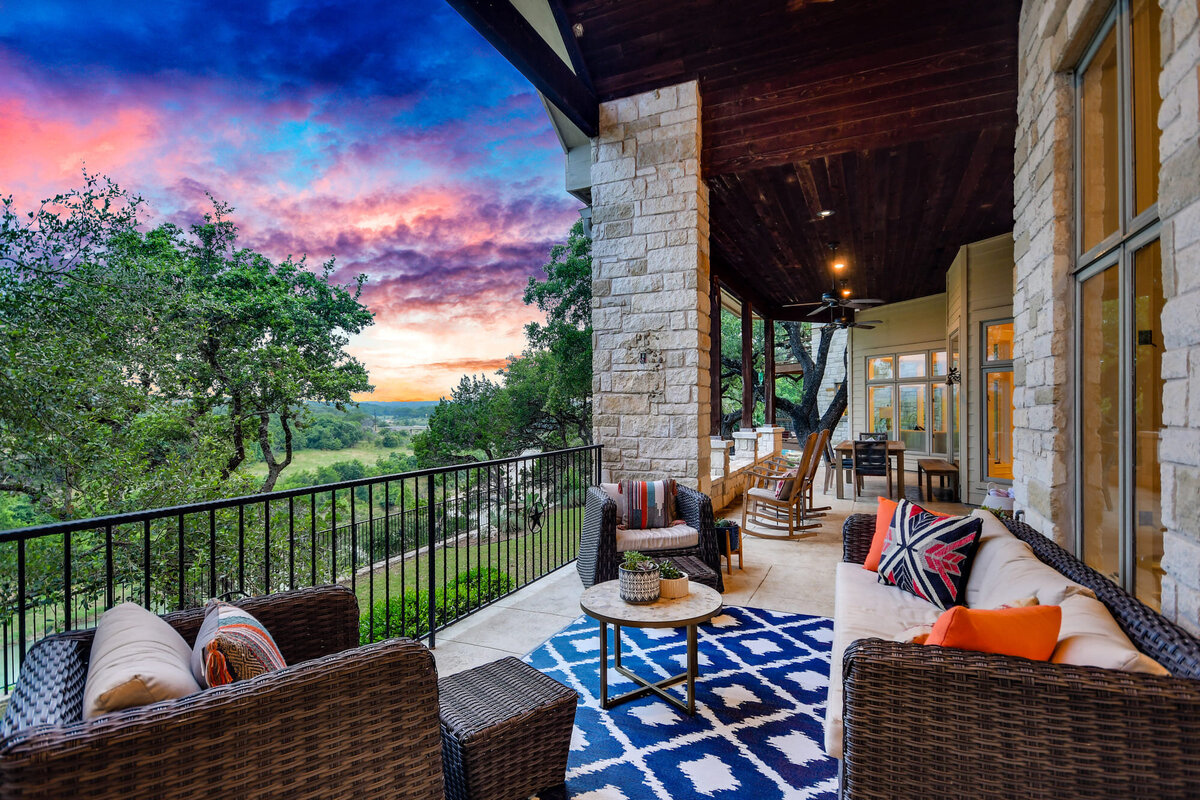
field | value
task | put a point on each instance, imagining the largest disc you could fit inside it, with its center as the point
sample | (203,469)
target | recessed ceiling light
(845,292)
(824,213)
(839,265)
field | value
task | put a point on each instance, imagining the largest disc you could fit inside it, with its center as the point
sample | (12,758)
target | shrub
(410,611)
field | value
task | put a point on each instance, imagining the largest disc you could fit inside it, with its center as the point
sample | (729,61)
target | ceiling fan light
(824,213)
(839,265)
(845,292)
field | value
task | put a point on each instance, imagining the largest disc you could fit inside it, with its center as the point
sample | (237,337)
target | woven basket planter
(673,588)
(638,586)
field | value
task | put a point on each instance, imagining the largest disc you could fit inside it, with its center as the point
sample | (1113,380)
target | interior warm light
(839,265)
(824,213)
(845,292)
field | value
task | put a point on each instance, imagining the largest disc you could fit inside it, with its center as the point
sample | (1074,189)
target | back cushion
(1090,637)
(1006,570)
(613,490)
(648,504)
(136,659)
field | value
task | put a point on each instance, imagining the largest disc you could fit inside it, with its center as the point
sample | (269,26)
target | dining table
(845,449)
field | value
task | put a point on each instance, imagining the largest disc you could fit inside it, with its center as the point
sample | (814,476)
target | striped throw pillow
(648,504)
(232,646)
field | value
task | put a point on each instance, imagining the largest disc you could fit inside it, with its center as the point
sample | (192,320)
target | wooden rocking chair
(768,516)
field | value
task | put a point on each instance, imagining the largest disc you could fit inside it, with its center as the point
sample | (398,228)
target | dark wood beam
(714,361)
(572,44)
(747,366)
(769,371)
(504,27)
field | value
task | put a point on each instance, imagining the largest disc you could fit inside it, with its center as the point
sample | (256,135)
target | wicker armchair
(598,558)
(925,721)
(341,721)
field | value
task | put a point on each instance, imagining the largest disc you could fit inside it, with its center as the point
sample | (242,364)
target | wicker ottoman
(506,730)
(695,569)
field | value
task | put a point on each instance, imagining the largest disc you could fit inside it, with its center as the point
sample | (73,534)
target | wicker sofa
(598,557)
(933,722)
(340,721)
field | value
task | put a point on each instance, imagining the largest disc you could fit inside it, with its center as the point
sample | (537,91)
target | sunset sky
(387,134)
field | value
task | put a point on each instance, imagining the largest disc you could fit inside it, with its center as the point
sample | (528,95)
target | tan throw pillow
(136,659)
(1090,637)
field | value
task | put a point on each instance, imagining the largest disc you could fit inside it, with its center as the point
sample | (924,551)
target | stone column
(650,288)
(1179,209)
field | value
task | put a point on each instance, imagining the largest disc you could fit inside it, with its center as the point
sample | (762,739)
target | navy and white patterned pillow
(930,556)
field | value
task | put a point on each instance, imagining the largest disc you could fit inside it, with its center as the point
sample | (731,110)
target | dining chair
(871,460)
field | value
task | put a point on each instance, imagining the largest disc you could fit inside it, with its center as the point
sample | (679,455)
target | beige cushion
(136,659)
(613,490)
(764,494)
(670,538)
(865,609)
(1090,637)
(1006,570)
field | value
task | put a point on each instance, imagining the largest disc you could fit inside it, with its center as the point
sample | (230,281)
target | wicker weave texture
(506,731)
(924,721)
(360,723)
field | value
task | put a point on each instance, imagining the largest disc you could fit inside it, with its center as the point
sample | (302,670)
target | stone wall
(650,288)
(1179,209)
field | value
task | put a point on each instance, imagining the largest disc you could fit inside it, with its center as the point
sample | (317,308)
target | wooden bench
(942,469)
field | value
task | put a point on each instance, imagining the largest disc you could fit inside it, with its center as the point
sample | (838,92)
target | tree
(133,366)
(468,423)
(796,396)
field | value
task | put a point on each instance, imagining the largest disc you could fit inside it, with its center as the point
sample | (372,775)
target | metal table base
(647,687)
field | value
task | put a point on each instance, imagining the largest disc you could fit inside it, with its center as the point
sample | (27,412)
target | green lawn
(524,558)
(304,460)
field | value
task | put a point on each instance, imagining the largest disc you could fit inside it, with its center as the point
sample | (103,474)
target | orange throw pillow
(883,523)
(1029,632)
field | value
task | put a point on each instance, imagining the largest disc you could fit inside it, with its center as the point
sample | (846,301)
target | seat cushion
(136,659)
(648,539)
(865,609)
(1006,570)
(761,494)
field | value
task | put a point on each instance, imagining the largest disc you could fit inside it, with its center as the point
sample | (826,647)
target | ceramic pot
(638,586)
(672,588)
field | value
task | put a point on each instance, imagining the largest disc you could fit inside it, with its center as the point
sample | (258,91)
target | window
(906,398)
(1119,300)
(998,399)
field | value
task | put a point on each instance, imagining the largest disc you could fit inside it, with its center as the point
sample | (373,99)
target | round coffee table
(603,602)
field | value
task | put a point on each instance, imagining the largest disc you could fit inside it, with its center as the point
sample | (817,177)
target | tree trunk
(274,468)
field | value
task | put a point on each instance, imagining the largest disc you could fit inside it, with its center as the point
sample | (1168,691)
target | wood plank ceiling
(898,115)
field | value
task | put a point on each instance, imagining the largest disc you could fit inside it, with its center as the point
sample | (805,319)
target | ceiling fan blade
(817,310)
(870,322)
(865,301)
(799,305)
(864,327)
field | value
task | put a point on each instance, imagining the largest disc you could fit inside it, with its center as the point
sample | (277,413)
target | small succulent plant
(638,562)
(670,571)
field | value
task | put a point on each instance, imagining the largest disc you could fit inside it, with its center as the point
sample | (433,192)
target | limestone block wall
(1179,209)
(650,281)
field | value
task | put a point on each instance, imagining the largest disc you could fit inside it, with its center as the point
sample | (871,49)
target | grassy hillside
(303,460)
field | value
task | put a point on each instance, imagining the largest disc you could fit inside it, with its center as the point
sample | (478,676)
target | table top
(894,446)
(603,602)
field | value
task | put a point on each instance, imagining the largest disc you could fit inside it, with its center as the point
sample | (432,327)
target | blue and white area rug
(760,707)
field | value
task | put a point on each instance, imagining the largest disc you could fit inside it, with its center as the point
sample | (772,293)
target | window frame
(895,382)
(1116,251)
(987,367)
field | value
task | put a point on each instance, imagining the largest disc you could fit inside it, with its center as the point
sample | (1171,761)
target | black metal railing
(421,549)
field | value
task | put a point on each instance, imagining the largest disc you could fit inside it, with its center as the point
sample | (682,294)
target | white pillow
(1006,570)
(613,490)
(136,659)
(1090,637)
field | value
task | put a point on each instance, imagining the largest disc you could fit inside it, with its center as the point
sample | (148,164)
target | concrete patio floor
(779,575)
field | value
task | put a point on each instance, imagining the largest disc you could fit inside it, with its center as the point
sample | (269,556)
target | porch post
(714,359)
(747,366)
(769,372)
(651,289)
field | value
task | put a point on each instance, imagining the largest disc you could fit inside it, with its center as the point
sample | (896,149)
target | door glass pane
(1099,148)
(912,365)
(1144,18)
(879,369)
(879,400)
(939,421)
(999,339)
(999,388)
(912,417)
(1147,414)
(1100,377)
(939,362)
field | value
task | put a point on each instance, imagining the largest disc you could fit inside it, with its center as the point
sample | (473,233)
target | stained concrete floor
(795,576)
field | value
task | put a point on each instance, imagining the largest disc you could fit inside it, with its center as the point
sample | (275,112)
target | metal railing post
(432,566)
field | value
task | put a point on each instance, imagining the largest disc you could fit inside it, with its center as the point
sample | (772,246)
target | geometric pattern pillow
(930,556)
(783,487)
(232,646)
(648,504)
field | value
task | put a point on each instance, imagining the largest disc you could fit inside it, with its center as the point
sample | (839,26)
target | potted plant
(728,529)
(639,577)
(674,583)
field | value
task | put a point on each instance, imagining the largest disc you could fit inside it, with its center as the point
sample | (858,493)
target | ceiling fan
(847,320)
(830,301)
